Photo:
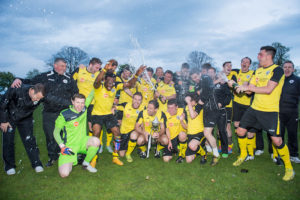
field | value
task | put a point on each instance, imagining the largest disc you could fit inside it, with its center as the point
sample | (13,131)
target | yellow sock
(243,146)
(90,134)
(143,148)
(250,146)
(182,149)
(131,146)
(219,142)
(109,137)
(275,153)
(115,155)
(95,158)
(159,147)
(101,137)
(285,156)
(201,151)
(230,145)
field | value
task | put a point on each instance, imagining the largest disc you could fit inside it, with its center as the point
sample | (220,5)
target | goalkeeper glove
(66,151)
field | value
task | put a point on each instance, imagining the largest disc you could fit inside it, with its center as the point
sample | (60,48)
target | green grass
(166,180)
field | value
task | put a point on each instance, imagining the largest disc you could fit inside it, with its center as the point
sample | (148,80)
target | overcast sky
(166,31)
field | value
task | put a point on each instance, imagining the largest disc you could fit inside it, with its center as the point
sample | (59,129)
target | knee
(96,142)
(188,159)
(122,153)
(241,131)
(192,147)
(164,140)
(182,137)
(133,135)
(64,173)
(166,158)
(140,141)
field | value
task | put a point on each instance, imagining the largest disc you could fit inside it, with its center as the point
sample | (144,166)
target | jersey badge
(268,72)
(65,81)
(291,81)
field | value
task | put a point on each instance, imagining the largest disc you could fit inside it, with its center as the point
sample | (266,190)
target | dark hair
(78,95)
(226,63)
(173,101)
(185,65)
(169,72)
(194,96)
(288,61)
(149,69)
(94,61)
(158,68)
(138,94)
(247,58)
(270,50)
(59,59)
(212,69)
(154,103)
(39,88)
(113,62)
(194,71)
(206,66)
(110,73)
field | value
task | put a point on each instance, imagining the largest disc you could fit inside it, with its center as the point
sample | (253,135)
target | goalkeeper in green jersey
(73,123)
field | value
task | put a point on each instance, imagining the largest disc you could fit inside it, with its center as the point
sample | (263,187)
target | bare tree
(281,53)
(197,58)
(73,56)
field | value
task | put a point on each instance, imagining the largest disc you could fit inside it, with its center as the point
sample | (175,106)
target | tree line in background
(75,56)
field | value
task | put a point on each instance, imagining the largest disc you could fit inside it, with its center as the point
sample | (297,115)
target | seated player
(176,132)
(73,123)
(144,127)
(194,117)
(128,134)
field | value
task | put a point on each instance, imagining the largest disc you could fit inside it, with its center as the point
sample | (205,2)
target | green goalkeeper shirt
(73,124)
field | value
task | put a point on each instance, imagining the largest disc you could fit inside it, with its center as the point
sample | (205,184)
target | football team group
(187,114)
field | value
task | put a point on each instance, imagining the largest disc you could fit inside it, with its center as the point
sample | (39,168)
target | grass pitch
(148,179)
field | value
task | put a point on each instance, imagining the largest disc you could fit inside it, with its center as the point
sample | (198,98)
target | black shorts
(124,141)
(119,114)
(268,121)
(89,112)
(229,114)
(200,137)
(238,111)
(211,117)
(175,142)
(109,121)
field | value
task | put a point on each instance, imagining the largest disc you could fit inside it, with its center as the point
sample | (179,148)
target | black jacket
(217,93)
(289,99)
(59,90)
(16,105)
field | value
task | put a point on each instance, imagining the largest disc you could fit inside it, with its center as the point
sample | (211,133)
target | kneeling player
(129,117)
(176,132)
(73,122)
(144,127)
(194,116)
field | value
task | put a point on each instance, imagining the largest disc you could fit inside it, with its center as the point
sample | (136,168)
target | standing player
(182,82)
(147,87)
(129,118)
(104,98)
(241,102)
(176,132)
(144,128)
(165,91)
(73,122)
(263,113)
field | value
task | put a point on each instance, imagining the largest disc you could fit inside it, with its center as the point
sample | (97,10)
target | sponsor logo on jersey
(105,95)
(147,124)
(82,80)
(127,115)
(76,124)
(171,124)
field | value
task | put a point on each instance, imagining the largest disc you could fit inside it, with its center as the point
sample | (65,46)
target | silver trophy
(154,128)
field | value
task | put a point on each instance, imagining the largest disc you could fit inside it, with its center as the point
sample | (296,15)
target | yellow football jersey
(147,91)
(85,80)
(104,99)
(165,90)
(173,123)
(124,97)
(147,120)
(129,118)
(231,76)
(195,125)
(242,78)
(268,102)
